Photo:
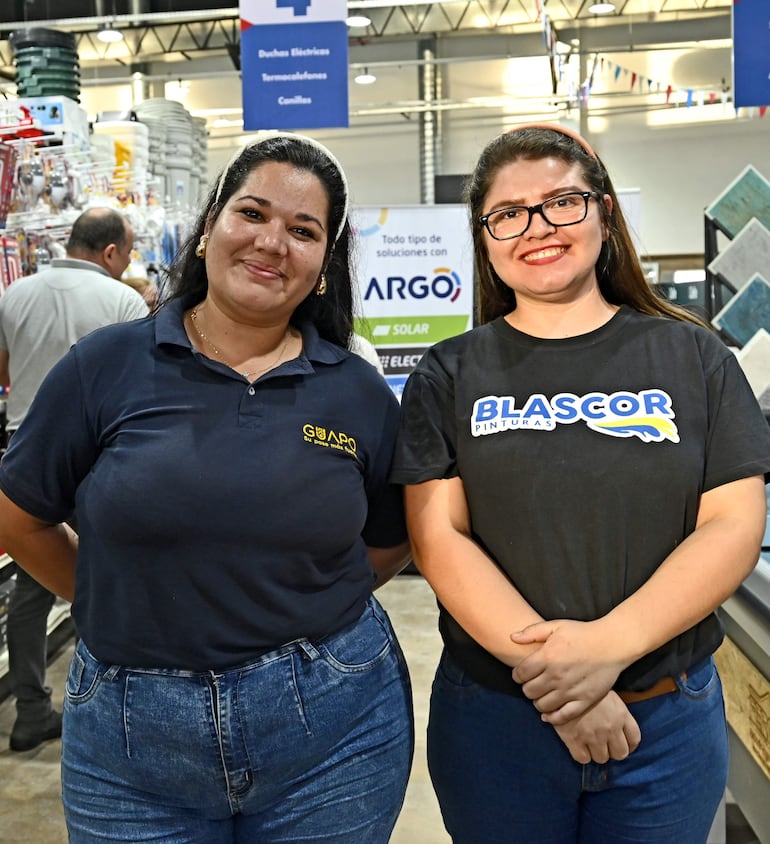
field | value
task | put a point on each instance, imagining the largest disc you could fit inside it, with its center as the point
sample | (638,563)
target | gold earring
(322,285)
(200,249)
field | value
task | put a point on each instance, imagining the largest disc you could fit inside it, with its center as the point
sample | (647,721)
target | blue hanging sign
(751,53)
(294,64)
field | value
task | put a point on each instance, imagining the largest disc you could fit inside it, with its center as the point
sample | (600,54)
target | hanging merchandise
(10,261)
(7,168)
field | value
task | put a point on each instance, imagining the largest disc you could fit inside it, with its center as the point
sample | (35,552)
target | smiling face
(547,263)
(267,248)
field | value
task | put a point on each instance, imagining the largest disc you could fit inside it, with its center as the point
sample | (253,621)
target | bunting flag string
(674,94)
(582,92)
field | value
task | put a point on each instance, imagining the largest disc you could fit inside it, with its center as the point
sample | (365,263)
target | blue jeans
(502,776)
(311,742)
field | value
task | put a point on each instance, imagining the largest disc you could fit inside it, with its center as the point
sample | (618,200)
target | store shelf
(745,671)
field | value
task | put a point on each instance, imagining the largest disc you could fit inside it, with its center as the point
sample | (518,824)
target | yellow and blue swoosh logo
(649,429)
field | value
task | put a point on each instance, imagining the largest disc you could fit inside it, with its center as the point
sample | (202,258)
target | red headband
(555,127)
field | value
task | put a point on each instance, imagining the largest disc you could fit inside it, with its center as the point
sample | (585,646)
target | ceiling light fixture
(365,78)
(602,8)
(177,90)
(109,35)
(358,20)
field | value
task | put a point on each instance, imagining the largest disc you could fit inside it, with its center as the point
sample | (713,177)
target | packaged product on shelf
(10,261)
(8,156)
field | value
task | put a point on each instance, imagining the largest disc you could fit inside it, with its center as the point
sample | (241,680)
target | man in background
(41,316)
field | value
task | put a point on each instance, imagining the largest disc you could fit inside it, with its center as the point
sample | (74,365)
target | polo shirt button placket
(252,391)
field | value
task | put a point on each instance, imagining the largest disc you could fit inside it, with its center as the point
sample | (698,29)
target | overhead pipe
(427,92)
(136,18)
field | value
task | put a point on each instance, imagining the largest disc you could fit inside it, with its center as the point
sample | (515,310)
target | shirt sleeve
(427,441)
(739,436)
(136,307)
(53,449)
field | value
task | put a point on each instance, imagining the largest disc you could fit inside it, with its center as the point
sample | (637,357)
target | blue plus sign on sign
(300,6)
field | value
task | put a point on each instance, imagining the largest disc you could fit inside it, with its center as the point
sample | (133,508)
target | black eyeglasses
(566,209)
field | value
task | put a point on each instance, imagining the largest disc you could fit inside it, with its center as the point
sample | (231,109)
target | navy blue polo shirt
(218,519)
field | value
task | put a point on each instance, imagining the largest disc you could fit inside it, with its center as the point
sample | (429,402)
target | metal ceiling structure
(185,33)
(167,40)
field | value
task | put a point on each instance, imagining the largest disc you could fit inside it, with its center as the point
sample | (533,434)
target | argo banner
(415,271)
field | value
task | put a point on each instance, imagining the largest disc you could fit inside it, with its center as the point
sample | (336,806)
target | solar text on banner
(751,53)
(294,64)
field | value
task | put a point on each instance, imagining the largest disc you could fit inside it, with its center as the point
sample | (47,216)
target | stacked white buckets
(163,153)
(130,142)
(174,151)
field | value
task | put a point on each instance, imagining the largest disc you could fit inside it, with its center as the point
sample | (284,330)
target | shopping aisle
(30,807)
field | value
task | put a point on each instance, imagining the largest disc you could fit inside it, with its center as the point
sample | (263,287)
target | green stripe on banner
(416,330)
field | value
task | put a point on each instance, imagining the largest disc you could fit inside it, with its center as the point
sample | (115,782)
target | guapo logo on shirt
(647,415)
(328,438)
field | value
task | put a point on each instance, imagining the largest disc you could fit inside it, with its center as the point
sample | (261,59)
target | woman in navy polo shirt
(228,458)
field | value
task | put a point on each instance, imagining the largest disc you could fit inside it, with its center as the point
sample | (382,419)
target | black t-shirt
(583,461)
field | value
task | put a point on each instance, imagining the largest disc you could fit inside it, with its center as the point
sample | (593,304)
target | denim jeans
(310,742)
(502,776)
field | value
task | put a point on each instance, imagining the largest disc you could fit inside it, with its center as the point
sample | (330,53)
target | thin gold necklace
(248,375)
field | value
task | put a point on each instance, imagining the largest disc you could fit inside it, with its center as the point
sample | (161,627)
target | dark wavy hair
(332,313)
(619,273)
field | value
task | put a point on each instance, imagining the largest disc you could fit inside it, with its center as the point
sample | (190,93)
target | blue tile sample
(746,197)
(746,312)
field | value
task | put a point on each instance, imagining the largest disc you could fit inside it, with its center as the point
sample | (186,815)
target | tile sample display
(754,359)
(746,197)
(747,312)
(745,256)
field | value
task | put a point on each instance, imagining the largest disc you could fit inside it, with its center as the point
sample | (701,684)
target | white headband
(266,136)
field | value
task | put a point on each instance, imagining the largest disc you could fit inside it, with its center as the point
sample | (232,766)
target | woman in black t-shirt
(585,488)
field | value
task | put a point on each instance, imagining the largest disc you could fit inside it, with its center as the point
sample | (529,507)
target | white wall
(680,172)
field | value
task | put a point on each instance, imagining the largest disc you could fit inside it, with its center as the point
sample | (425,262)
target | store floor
(30,807)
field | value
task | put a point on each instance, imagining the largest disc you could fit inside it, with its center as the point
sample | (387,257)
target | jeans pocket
(362,646)
(83,677)
(701,680)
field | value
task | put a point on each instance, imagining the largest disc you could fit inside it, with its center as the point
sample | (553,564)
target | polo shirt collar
(78,264)
(169,328)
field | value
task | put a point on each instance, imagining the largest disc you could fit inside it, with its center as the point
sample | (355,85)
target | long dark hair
(619,273)
(332,313)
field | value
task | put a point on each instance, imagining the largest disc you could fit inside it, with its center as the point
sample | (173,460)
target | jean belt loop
(308,649)
(111,673)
